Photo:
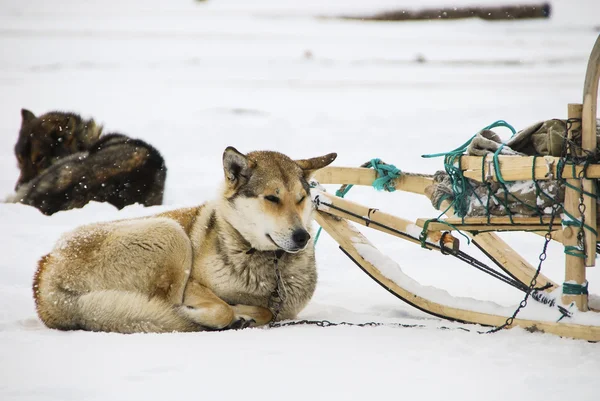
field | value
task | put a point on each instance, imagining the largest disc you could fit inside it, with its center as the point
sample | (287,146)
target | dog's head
(267,197)
(45,139)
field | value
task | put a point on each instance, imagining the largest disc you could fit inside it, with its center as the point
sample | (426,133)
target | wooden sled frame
(334,214)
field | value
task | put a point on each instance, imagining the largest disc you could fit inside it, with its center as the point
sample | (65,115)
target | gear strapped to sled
(542,180)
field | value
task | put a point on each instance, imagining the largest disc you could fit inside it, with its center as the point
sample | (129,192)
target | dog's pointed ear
(93,132)
(237,166)
(310,166)
(27,115)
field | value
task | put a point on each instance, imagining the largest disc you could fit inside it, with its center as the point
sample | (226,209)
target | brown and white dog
(206,267)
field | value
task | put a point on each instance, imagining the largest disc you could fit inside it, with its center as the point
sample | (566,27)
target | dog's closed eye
(272,198)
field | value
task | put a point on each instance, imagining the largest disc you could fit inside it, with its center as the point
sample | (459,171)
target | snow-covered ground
(194,77)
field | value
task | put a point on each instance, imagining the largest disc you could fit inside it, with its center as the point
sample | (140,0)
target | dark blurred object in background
(508,12)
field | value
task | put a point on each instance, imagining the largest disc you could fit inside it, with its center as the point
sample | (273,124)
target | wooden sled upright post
(574,264)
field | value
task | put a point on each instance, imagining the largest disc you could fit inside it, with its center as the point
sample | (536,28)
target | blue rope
(386,173)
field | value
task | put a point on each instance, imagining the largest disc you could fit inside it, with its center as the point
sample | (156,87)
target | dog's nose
(300,237)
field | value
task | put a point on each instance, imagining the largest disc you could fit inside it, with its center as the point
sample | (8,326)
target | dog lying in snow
(206,267)
(65,163)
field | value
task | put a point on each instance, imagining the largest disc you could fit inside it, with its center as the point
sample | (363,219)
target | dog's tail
(129,312)
(111,311)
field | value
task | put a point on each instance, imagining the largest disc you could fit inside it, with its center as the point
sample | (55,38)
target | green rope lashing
(575,289)
(571,220)
(500,123)
(386,173)
(461,188)
(574,222)
(574,251)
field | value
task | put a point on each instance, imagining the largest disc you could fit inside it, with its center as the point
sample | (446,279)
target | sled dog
(205,267)
(65,163)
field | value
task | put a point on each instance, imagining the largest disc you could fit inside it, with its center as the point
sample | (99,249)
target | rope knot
(386,173)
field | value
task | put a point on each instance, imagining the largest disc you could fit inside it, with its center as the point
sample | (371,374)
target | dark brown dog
(65,163)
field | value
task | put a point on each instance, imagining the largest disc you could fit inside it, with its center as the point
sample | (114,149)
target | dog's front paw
(241,322)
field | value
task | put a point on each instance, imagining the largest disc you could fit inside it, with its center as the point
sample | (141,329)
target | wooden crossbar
(478,224)
(499,223)
(441,226)
(517,168)
(407,182)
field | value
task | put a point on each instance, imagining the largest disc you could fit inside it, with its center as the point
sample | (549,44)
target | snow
(523,186)
(194,77)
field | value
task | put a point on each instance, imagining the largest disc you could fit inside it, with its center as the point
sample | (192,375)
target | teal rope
(575,289)
(571,250)
(500,123)
(386,173)
(574,222)
(498,173)
(574,251)
(461,188)
(342,193)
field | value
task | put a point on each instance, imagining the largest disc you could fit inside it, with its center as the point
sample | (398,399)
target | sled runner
(544,180)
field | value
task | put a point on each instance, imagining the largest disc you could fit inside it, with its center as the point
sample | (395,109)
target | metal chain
(582,208)
(578,155)
(532,284)
(279,293)
(327,323)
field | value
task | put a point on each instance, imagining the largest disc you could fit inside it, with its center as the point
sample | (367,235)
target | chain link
(279,293)
(577,155)
(327,323)
(581,233)
(533,283)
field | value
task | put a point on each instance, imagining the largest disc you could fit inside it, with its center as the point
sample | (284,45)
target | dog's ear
(27,115)
(310,166)
(92,132)
(237,166)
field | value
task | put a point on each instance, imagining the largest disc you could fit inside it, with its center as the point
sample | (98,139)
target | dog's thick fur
(65,163)
(206,267)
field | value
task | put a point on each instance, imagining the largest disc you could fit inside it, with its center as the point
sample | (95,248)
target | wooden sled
(335,214)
